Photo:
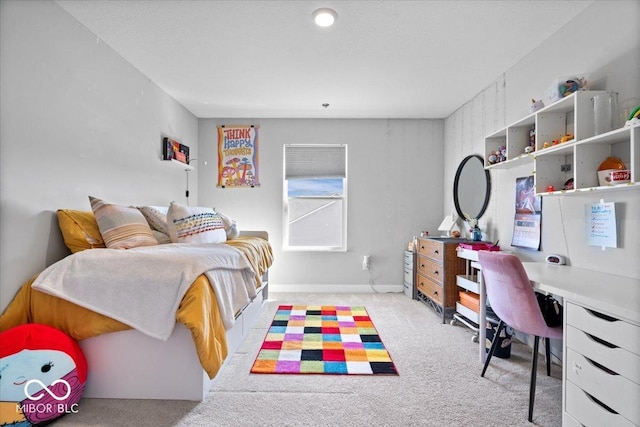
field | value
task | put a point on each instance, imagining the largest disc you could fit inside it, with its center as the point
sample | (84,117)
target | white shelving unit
(578,158)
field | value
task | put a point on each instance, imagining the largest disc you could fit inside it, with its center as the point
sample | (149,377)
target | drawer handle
(601,341)
(605,407)
(599,366)
(436,251)
(435,292)
(436,272)
(602,316)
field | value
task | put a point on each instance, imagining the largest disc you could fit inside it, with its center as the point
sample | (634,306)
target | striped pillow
(194,225)
(121,227)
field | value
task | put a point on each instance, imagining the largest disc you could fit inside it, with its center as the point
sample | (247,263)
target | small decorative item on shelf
(565,86)
(475,231)
(605,112)
(568,137)
(532,141)
(551,189)
(500,155)
(477,234)
(568,185)
(613,171)
(535,105)
(634,117)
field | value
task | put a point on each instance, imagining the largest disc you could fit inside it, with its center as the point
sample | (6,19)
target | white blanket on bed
(143,287)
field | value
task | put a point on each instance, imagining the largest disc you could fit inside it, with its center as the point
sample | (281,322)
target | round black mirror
(471,187)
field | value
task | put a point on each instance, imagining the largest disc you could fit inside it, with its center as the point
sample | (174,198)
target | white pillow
(230,226)
(194,225)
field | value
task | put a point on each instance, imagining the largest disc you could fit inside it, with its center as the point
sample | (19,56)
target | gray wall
(394,191)
(76,120)
(602,42)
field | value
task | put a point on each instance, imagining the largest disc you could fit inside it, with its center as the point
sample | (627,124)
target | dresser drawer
(429,288)
(590,413)
(430,269)
(431,248)
(615,391)
(617,359)
(614,331)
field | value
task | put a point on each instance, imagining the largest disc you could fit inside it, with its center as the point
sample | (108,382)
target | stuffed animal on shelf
(535,105)
(43,375)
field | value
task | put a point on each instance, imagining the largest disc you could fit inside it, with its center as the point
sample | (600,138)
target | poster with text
(238,156)
(527,225)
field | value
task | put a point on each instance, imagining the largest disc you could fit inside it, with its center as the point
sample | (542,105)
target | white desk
(607,306)
(610,294)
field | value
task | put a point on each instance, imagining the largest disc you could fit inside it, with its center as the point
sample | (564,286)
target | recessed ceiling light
(324,17)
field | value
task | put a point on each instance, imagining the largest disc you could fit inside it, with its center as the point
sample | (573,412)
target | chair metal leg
(494,344)
(534,370)
(547,353)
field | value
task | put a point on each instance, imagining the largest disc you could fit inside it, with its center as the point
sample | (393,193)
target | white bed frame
(131,365)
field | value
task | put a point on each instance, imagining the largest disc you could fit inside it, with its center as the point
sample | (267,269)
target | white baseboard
(335,289)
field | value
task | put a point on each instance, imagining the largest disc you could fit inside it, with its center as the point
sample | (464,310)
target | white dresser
(602,383)
(601,347)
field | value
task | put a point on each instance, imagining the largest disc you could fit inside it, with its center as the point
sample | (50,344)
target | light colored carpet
(439,382)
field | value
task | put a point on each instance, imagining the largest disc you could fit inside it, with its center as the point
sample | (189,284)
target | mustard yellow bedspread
(198,310)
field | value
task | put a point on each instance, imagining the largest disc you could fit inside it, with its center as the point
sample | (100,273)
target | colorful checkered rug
(307,339)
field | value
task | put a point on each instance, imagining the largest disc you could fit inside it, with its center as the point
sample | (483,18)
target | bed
(178,361)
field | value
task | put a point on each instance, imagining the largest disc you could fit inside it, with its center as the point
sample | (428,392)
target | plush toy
(535,105)
(43,373)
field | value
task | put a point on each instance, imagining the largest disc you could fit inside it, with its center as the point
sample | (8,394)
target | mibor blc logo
(34,405)
(45,389)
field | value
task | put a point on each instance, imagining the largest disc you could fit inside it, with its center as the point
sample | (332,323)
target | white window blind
(315,161)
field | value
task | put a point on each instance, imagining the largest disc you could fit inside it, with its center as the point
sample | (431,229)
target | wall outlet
(365,262)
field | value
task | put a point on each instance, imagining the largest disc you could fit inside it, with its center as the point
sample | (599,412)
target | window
(315,197)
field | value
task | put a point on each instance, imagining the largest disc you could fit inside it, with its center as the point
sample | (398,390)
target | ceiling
(267,59)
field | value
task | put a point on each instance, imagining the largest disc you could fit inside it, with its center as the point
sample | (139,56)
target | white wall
(394,191)
(603,43)
(76,119)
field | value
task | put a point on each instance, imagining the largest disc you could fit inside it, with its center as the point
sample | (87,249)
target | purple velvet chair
(513,299)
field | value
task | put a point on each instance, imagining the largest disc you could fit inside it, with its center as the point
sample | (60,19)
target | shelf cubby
(578,158)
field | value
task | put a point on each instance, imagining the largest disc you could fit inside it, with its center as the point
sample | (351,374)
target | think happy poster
(238,156)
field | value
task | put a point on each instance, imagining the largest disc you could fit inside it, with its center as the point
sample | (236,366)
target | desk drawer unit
(408,275)
(602,368)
